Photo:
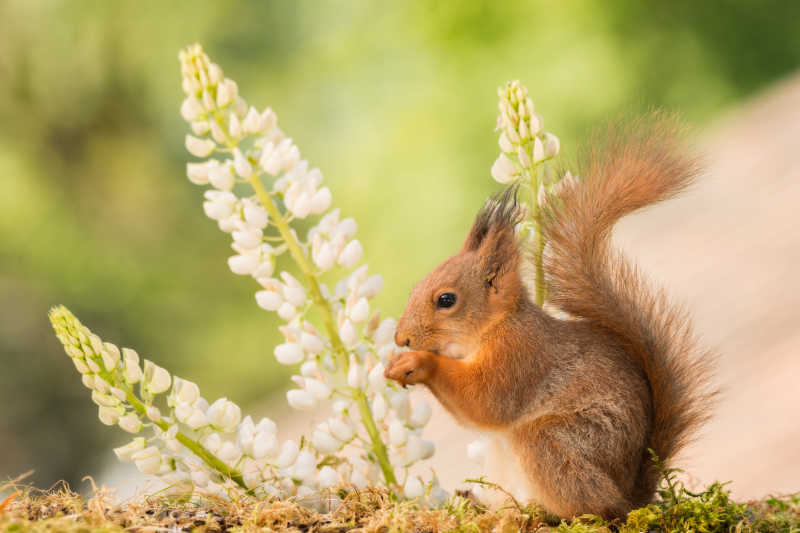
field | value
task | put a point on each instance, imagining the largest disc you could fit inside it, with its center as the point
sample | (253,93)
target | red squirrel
(580,401)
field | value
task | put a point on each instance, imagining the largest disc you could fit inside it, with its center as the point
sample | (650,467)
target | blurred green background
(395,102)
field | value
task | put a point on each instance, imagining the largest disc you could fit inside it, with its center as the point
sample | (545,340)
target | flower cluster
(340,361)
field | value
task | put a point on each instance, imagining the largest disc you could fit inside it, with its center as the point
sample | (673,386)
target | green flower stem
(378,447)
(195,447)
(538,256)
(300,258)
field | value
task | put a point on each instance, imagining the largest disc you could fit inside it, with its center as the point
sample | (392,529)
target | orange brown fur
(582,400)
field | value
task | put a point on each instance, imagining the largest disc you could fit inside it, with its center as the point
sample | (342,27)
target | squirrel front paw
(409,368)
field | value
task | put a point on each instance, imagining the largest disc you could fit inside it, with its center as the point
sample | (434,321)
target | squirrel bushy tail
(625,168)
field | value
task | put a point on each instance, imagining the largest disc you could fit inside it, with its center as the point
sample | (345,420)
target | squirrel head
(451,308)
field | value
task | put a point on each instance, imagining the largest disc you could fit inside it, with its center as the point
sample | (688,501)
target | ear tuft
(498,215)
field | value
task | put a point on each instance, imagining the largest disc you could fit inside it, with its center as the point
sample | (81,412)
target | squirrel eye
(446,300)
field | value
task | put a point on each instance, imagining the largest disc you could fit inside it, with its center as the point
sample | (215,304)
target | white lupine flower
(551,145)
(325,256)
(295,295)
(229,452)
(400,403)
(413,488)
(241,164)
(251,473)
(397,433)
(153,413)
(289,353)
(93,366)
(252,122)
(476,450)
(199,147)
(271,300)
(358,479)
(355,374)
(264,444)
(317,388)
(287,311)
(200,478)
(111,356)
(255,215)
(371,287)
(360,311)
(220,176)
(108,415)
(348,333)
(379,407)
(211,442)
(305,466)
(157,379)
(503,170)
(224,415)
(185,391)
(375,378)
(341,429)
(88,381)
(311,342)
(243,264)
(219,205)
(420,414)
(351,254)
(301,399)
(321,201)
(226,92)
(385,332)
(196,419)
(130,423)
(524,158)
(324,442)
(415,449)
(327,477)
(191,109)
(288,454)
(125,453)
(309,369)
(505,144)
(234,127)
(148,460)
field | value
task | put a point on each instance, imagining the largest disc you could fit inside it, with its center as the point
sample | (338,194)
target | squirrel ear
(492,237)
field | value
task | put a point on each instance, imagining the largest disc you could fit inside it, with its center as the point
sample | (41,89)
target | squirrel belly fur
(580,402)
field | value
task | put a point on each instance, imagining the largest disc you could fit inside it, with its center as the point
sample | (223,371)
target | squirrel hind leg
(568,480)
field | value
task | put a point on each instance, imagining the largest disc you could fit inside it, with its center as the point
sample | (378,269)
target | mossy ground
(60,509)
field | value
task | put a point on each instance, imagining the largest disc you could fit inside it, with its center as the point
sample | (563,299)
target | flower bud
(341,430)
(224,415)
(351,254)
(211,442)
(503,170)
(125,453)
(413,488)
(385,332)
(321,201)
(196,419)
(108,415)
(420,414)
(243,264)
(551,145)
(398,434)
(348,333)
(327,477)
(355,374)
(375,378)
(289,353)
(199,147)
(287,311)
(130,423)
(185,391)
(305,466)
(191,109)
(538,150)
(220,177)
(288,455)
(153,413)
(317,388)
(264,444)
(269,300)
(148,460)
(157,379)
(300,399)
(227,91)
(324,442)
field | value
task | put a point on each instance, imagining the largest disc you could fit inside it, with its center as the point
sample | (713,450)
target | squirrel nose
(398,340)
